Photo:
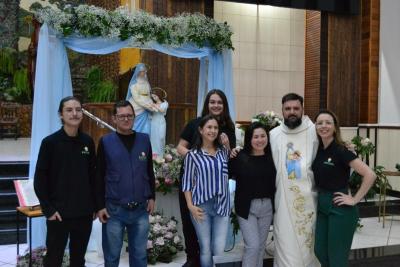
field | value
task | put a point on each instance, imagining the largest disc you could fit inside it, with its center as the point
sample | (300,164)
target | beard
(292,122)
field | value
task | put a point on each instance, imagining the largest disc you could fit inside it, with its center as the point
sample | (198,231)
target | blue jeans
(211,233)
(136,222)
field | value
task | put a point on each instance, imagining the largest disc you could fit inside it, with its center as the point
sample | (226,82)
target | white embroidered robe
(293,151)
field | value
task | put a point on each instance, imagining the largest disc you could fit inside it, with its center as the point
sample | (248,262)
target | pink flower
(168,157)
(149,244)
(155,155)
(168,181)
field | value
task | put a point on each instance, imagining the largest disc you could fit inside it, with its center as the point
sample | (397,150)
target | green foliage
(8,60)
(398,167)
(14,84)
(381,179)
(99,90)
(365,148)
(21,85)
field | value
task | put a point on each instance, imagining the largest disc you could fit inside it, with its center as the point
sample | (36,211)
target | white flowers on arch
(138,26)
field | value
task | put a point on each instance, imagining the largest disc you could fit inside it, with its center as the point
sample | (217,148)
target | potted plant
(365,148)
(97,89)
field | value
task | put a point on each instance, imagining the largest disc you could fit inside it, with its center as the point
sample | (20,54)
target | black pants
(192,247)
(78,230)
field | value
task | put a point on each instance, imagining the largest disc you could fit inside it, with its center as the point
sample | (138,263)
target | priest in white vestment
(294,145)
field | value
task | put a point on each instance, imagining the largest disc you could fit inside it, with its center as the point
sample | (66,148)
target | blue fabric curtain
(53,82)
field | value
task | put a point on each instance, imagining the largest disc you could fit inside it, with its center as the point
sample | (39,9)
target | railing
(98,121)
(178,115)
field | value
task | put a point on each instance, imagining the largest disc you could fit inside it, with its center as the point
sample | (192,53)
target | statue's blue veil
(138,68)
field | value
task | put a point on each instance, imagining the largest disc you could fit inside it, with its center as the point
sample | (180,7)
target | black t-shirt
(331,167)
(255,178)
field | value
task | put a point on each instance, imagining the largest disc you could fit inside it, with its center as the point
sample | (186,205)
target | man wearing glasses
(125,190)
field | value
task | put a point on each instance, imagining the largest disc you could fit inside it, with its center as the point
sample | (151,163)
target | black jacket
(65,175)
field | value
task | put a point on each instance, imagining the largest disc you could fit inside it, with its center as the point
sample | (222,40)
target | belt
(131,205)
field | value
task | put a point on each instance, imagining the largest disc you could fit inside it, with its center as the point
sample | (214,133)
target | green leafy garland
(142,27)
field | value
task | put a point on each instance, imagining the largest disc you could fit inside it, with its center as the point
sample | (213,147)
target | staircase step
(14,168)
(7,238)
(10,171)
(8,212)
(12,178)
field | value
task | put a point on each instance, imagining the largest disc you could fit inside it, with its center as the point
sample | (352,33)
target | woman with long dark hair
(215,104)
(206,190)
(254,172)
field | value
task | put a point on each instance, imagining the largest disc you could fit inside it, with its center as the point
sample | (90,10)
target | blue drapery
(53,82)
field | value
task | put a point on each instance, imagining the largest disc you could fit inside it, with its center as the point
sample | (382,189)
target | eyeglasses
(125,117)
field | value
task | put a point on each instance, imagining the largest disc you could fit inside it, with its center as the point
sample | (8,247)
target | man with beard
(294,145)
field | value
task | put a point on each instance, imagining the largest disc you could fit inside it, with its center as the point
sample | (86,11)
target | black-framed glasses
(125,117)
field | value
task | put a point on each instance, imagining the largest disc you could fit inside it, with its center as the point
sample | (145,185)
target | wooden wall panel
(312,63)
(178,76)
(347,64)
(344,39)
(369,61)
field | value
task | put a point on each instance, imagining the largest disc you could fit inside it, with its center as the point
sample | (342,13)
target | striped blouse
(206,176)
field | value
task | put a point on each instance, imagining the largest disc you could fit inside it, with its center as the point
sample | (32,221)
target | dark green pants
(334,231)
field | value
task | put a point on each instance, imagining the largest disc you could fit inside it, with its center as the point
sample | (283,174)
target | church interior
(337,55)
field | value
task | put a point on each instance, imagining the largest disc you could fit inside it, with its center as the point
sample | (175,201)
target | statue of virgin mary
(139,95)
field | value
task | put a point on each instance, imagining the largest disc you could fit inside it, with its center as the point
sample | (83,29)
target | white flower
(365,141)
(158,218)
(149,244)
(160,241)
(151,219)
(168,235)
(255,120)
(157,228)
(171,225)
(177,239)
(95,21)
(159,160)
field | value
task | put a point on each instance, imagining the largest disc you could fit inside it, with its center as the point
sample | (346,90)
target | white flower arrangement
(163,242)
(140,26)
(268,118)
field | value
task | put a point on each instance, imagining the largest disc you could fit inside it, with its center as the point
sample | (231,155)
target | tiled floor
(371,235)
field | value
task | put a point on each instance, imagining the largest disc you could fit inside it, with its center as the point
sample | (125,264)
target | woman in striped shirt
(205,185)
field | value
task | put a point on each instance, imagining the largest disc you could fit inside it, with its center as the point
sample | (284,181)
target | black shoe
(190,262)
